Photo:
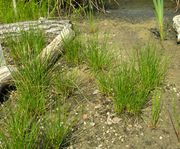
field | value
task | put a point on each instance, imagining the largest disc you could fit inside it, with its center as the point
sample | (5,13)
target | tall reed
(159,13)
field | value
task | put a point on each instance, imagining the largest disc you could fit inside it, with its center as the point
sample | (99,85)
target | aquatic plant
(159,10)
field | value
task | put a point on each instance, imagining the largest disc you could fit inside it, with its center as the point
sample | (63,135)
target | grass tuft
(58,126)
(18,129)
(97,56)
(74,51)
(130,82)
(32,76)
(65,83)
(34,81)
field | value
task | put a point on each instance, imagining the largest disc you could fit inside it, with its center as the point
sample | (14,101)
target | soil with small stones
(131,26)
(100,127)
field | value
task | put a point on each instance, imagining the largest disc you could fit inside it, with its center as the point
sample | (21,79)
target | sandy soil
(100,127)
(127,28)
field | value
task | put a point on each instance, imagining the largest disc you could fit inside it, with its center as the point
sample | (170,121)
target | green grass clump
(30,10)
(152,66)
(105,82)
(129,93)
(74,51)
(32,76)
(131,81)
(58,126)
(65,83)
(91,52)
(18,129)
(34,80)
(33,9)
(97,56)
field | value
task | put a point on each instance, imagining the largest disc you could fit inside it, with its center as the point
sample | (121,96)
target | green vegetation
(156,107)
(74,51)
(22,128)
(58,126)
(39,116)
(91,52)
(97,56)
(34,80)
(32,74)
(177,130)
(65,83)
(131,81)
(159,13)
(33,9)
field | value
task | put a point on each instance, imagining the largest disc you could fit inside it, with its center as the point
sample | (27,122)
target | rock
(92,124)
(176,26)
(109,120)
(99,139)
(70,147)
(97,106)
(95,92)
(116,120)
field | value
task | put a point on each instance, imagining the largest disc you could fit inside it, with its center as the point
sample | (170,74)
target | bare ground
(100,127)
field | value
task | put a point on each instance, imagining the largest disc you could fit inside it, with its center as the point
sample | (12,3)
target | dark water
(144,3)
(139,10)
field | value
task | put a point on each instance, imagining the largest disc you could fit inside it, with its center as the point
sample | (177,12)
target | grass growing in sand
(22,121)
(130,82)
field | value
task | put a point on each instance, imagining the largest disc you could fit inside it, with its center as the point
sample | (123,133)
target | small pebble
(100,145)
(122,140)
(116,120)
(92,124)
(95,92)
(99,139)
(178,94)
(98,106)
(174,89)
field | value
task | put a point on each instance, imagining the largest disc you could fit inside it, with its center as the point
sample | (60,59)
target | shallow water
(144,3)
(141,9)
